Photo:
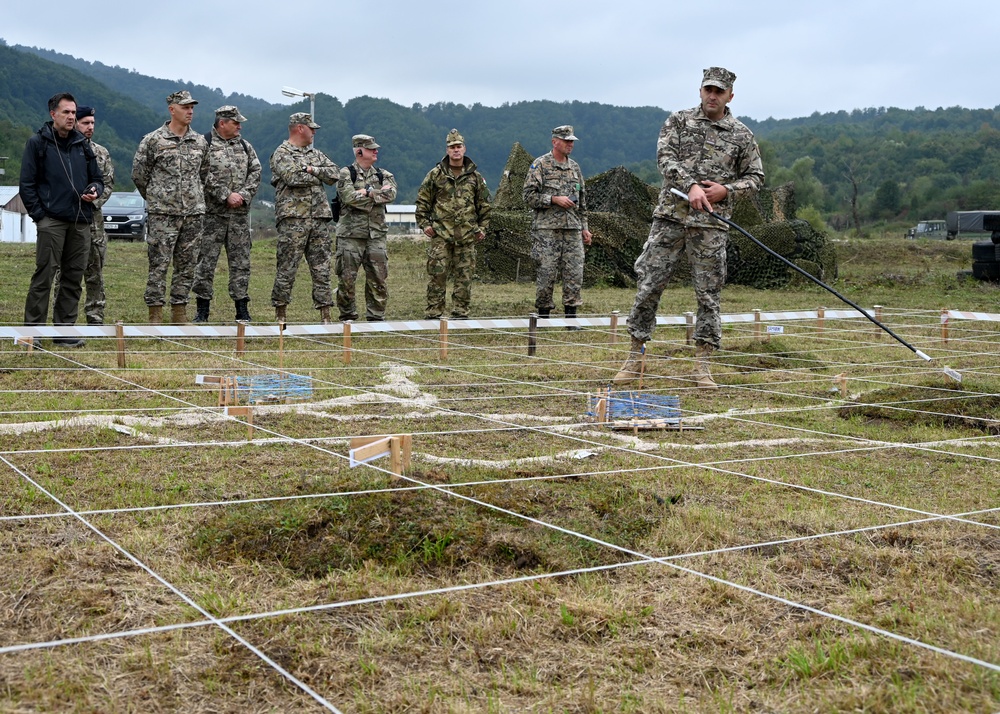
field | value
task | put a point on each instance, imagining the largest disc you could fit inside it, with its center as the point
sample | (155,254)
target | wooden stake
(241,329)
(944,325)
(689,327)
(347,343)
(614,326)
(27,341)
(443,340)
(120,342)
(532,333)
(281,345)
(820,319)
(842,383)
(756,325)
(245,412)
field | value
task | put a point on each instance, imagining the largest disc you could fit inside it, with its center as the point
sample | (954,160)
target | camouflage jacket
(108,170)
(694,148)
(299,194)
(364,217)
(233,167)
(169,171)
(456,207)
(547,178)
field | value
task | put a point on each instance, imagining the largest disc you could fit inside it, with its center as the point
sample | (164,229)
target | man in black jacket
(60,180)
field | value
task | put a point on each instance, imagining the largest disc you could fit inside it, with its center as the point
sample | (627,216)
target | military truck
(960,222)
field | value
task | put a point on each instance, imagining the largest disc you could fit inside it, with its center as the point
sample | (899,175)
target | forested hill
(864,165)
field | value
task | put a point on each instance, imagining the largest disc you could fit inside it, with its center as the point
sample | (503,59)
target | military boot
(324,315)
(632,369)
(701,374)
(155,314)
(279,312)
(570,311)
(201,315)
(243,310)
(178,314)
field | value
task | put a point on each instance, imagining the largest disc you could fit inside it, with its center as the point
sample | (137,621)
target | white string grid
(483,372)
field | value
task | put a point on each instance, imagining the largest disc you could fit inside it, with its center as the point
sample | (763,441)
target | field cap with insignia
(718,77)
(363,141)
(564,132)
(229,112)
(83,112)
(303,118)
(452,139)
(181,97)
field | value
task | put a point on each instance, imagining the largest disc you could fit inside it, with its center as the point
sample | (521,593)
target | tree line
(850,169)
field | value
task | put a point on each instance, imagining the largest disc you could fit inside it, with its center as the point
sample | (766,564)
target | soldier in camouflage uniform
(169,172)
(710,155)
(555,189)
(364,192)
(301,207)
(231,183)
(93,276)
(453,210)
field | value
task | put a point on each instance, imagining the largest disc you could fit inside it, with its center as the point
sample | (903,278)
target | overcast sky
(791,59)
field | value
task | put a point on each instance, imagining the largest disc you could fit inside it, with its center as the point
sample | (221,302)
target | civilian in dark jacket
(60,180)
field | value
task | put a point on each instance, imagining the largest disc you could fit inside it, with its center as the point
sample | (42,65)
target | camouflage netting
(620,212)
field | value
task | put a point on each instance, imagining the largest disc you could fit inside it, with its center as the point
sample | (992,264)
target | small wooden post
(820,319)
(532,333)
(245,412)
(29,342)
(281,345)
(241,330)
(642,365)
(756,325)
(347,343)
(944,325)
(120,342)
(689,327)
(443,340)
(878,316)
(614,326)
(842,383)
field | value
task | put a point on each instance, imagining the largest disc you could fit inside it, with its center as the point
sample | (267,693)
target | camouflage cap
(229,112)
(454,138)
(718,77)
(363,141)
(303,118)
(564,132)
(181,97)
(82,112)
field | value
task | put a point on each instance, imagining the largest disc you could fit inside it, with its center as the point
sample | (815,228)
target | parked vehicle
(125,216)
(972,222)
(928,229)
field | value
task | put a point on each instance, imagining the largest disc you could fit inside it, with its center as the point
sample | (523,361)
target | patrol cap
(84,112)
(302,118)
(718,77)
(229,112)
(564,132)
(453,137)
(363,141)
(181,97)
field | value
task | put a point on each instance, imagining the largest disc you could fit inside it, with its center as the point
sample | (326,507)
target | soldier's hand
(235,200)
(429,232)
(480,236)
(563,201)
(714,192)
(588,237)
(698,199)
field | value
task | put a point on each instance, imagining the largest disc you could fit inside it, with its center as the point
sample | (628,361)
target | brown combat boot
(280,312)
(324,315)
(632,369)
(155,314)
(701,374)
(178,314)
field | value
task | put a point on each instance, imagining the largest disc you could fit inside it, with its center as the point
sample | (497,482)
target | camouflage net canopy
(620,212)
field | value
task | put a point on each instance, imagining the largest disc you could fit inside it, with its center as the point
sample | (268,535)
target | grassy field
(798,549)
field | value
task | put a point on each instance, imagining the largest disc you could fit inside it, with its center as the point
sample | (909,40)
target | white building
(401,216)
(15,224)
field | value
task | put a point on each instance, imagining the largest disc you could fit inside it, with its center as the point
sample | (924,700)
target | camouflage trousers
(448,258)
(174,238)
(232,231)
(557,252)
(352,255)
(93,275)
(298,237)
(706,251)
